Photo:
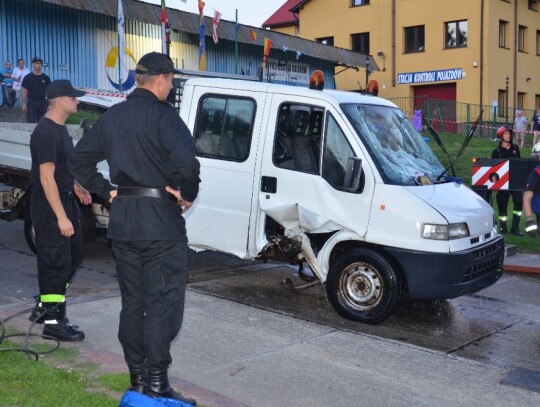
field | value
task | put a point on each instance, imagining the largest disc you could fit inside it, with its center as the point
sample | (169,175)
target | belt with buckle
(146,192)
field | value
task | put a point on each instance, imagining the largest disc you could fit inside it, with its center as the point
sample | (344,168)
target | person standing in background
(507,149)
(18,75)
(520,126)
(536,127)
(34,103)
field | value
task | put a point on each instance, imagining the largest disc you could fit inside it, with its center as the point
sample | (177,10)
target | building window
(537,101)
(355,3)
(224,127)
(360,43)
(521,96)
(533,5)
(502,103)
(414,39)
(522,38)
(456,34)
(326,40)
(503,28)
(537,42)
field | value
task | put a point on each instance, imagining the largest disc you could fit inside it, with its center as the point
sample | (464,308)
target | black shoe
(170,393)
(158,387)
(138,377)
(63,331)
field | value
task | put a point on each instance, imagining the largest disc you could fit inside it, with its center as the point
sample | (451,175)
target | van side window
(337,151)
(224,127)
(297,145)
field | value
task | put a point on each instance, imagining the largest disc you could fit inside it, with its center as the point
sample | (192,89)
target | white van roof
(332,96)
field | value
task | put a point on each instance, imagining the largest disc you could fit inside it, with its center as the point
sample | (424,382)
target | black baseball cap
(37,59)
(62,87)
(155,63)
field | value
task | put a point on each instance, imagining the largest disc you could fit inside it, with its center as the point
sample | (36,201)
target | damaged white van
(340,181)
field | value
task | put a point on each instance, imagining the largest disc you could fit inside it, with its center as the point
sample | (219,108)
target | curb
(516,268)
(110,362)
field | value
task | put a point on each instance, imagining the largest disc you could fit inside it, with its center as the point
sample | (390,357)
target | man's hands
(66,227)
(184,204)
(81,193)
(531,227)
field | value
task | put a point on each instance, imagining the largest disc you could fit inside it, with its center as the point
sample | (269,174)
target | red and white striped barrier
(494,177)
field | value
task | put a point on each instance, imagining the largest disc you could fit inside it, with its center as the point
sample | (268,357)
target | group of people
(27,87)
(520,127)
(153,171)
(529,201)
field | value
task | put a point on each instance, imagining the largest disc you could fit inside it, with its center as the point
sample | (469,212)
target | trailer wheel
(29,232)
(363,286)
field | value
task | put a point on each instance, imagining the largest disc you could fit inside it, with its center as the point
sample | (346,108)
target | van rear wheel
(363,286)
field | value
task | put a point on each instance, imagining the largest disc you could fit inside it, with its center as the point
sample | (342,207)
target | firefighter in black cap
(506,149)
(151,157)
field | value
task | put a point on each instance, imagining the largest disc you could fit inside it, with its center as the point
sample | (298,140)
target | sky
(250,12)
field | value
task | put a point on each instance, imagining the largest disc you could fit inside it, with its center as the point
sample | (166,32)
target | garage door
(438,104)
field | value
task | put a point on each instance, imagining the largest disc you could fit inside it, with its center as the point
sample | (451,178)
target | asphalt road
(497,328)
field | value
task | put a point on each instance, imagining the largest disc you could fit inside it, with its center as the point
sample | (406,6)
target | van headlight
(445,232)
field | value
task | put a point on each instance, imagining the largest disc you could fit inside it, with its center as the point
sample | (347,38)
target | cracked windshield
(398,149)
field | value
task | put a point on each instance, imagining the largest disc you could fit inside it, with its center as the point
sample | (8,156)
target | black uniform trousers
(152,279)
(58,257)
(35,111)
(502,201)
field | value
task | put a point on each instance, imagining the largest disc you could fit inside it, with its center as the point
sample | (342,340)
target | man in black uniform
(507,149)
(54,211)
(33,92)
(151,157)
(531,197)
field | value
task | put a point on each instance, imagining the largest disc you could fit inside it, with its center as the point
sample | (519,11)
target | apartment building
(484,52)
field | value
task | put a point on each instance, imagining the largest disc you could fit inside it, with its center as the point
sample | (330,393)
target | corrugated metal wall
(74,45)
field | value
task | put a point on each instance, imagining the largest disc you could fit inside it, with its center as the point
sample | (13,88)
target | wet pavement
(250,338)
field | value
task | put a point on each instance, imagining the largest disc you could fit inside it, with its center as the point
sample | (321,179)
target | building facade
(78,40)
(463,51)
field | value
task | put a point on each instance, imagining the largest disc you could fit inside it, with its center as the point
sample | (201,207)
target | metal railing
(456,117)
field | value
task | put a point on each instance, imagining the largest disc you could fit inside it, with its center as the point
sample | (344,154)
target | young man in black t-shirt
(54,211)
(33,92)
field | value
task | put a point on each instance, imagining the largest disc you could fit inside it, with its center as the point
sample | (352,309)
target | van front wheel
(363,286)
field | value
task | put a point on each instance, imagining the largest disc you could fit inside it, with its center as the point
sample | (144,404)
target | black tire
(29,233)
(363,286)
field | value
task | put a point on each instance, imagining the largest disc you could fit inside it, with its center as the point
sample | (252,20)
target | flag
(298,55)
(215,24)
(253,35)
(121,41)
(164,25)
(202,45)
(267,46)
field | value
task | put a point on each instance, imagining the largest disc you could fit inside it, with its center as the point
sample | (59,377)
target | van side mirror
(353,175)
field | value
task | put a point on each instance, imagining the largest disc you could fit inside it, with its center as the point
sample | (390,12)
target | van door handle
(268,184)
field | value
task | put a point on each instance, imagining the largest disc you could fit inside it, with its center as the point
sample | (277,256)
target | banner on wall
(291,72)
(430,76)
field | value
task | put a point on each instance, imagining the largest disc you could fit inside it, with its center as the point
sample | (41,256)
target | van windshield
(398,149)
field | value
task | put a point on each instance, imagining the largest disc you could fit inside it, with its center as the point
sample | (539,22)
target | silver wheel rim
(361,286)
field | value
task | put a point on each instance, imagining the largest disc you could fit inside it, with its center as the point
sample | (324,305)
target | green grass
(83,114)
(56,380)
(480,147)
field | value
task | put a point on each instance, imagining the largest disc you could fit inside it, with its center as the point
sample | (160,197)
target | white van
(340,181)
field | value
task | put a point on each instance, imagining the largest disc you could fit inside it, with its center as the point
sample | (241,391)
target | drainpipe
(481,53)
(393,42)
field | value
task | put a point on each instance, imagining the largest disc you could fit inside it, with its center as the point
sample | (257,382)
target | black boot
(158,386)
(138,375)
(57,326)
(38,312)
(515,226)
(504,229)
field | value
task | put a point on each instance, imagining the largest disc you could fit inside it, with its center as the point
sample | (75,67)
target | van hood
(457,203)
